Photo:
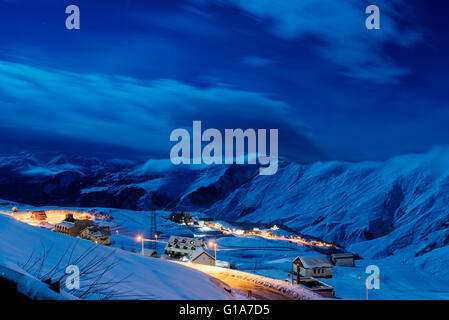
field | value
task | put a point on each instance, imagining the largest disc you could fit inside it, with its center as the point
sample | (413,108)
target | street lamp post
(214,244)
(366,287)
(140,238)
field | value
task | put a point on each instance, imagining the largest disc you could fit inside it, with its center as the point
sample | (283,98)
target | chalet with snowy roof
(313,266)
(72,228)
(342,259)
(39,215)
(97,234)
(200,256)
(180,247)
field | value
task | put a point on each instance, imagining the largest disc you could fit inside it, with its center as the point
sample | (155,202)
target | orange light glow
(53,217)
(211,244)
(268,235)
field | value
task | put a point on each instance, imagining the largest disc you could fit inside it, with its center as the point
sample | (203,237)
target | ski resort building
(312,266)
(342,259)
(182,247)
(181,218)
(85,229)
(72,228)
(200,256)
(97,234)
(69,217)
(39,215)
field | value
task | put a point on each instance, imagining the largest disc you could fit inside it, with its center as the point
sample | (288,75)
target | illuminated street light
(214,244)
(140,238)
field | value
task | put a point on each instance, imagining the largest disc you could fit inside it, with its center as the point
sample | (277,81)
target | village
(199,241)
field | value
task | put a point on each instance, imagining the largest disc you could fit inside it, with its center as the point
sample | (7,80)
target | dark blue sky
(139,69)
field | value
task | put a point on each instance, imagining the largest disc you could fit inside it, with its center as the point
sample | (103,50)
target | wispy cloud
(336,30)
(254,61)
(130,112)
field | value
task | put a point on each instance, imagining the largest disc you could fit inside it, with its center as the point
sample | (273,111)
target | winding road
(256,285)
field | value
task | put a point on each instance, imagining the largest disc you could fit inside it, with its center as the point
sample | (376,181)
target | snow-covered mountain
(377,209)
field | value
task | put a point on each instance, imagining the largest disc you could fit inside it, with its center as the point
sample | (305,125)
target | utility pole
(293,270)
(153,231)
(366,292)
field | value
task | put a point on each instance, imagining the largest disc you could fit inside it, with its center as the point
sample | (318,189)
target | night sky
(136,70)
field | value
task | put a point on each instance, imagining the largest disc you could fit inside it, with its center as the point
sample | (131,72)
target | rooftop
(195,254)
(343,255)
(66,224)
(311,262)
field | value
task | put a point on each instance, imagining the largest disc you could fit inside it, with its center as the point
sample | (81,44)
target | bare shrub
(95,269)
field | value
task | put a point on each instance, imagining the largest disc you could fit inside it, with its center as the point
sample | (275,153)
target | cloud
(336,30)
(257,61)
(134,113)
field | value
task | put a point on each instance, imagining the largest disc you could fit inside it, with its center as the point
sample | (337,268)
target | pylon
(153,244)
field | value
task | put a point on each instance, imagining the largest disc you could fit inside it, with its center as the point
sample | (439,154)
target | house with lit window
(183,218)
(97,234)
(39,215)
(72,228)
(182,247)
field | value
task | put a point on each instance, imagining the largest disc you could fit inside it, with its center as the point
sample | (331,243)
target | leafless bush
(95,269)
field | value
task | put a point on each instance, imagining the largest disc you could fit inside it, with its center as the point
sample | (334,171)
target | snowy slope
(149,278)
(377,209)
(400,206)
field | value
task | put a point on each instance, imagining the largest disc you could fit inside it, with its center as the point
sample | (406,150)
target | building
(318,287)
(181,218)
(72,228)
(66,227)
(39,215)
(343,259)
(97,234)
(200,256)
(312,266)
(182,247)
(69,217)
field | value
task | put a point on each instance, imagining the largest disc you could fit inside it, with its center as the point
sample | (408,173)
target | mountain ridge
(400,205)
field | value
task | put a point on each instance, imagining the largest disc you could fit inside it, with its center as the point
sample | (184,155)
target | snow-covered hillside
(376,209)
(144,277)
(397,207)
